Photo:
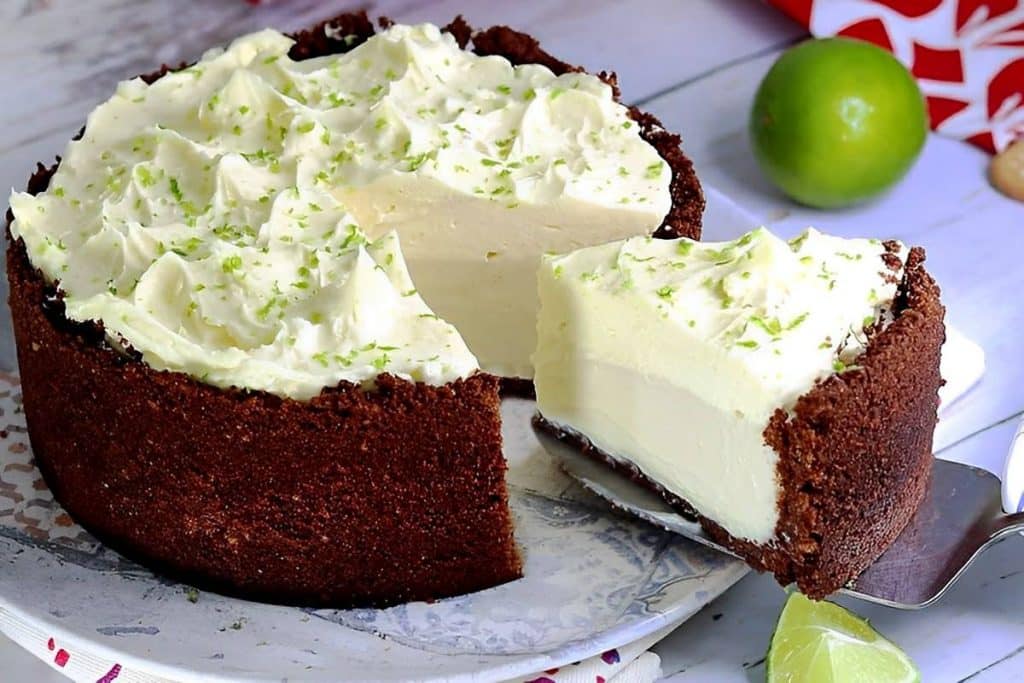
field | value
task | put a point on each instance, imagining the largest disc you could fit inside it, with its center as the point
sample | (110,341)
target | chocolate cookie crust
(354,498)
(854,456)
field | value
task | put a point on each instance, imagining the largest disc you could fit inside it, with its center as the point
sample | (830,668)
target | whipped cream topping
(788,313)
(674,355)
(234,220)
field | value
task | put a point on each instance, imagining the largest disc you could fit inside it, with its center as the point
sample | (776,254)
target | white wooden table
(694,63)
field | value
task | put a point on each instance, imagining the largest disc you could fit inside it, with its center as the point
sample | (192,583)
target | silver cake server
(962,515)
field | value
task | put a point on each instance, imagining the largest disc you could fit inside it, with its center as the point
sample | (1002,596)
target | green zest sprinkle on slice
(353,237)
(231,263)
(176,190)
(797,242)
(795,322)
(665,292)
(264,310)
(145,176)
(722,256)
(771,326)
(418,160)
(840,366)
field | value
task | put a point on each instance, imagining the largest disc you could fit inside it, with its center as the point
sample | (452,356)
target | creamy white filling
(232,220)
(476,262)
(674,354)
(712,457)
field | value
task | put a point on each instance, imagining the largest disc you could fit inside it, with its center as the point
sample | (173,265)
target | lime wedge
(824,643)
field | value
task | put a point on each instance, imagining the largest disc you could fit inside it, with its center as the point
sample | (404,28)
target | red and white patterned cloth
(967,56)
(630,663)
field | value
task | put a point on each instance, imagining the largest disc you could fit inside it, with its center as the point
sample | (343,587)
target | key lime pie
(264,304)
(784,392)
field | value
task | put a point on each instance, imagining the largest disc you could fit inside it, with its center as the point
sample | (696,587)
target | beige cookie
(1007,171)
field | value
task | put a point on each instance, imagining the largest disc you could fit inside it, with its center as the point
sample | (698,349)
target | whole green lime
(837,121)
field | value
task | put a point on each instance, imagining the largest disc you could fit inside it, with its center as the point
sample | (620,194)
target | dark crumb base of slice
(854,458)
(353,498)
(517,387)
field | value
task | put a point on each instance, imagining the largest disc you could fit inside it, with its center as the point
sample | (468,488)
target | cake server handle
(1013,473)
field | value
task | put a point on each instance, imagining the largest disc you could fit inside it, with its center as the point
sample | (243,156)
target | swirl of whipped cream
(211,220)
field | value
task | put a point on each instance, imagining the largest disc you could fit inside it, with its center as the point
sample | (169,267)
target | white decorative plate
(593,580)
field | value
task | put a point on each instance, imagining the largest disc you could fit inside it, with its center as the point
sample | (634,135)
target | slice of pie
(250,300)
(784,392)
